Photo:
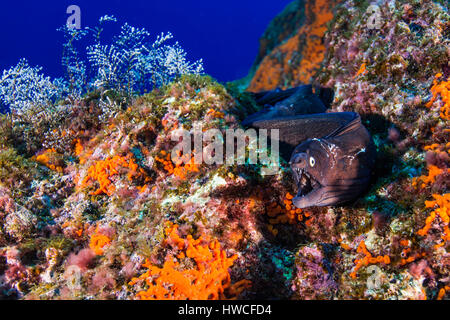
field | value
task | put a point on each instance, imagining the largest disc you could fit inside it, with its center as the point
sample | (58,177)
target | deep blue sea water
(224,33)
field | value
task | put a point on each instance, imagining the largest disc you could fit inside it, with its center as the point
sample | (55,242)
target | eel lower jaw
(307,188)
(312,199)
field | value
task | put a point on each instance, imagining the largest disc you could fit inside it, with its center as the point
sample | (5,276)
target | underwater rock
(386,73)
(98,208)
(296,59)
(20,223)
(282,27)
(314,278)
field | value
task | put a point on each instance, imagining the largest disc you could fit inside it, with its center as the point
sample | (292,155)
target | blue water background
(224,33)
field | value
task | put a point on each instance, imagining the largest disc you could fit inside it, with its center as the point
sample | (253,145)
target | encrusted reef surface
(282,27)
(394,70)
(103,212)
(300,51)
(93,207)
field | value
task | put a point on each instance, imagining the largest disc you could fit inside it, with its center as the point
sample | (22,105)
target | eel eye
(312,161)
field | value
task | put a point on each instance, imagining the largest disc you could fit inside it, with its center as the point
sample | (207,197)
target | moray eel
(331,154)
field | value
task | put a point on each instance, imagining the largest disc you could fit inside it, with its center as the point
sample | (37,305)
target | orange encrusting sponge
(103,170)
(443,89)
(442,292)
(433,172)
(368,259)
(98,242)
(443,211)
(46,159)
(208,280)
(180,168)
(215,114)
(285,213)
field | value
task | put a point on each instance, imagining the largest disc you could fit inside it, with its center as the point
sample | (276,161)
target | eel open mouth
(305,182)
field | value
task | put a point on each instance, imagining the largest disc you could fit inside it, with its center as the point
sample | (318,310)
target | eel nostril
(298,159)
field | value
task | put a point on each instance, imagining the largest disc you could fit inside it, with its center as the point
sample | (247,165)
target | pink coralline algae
(82,259)
(314,276)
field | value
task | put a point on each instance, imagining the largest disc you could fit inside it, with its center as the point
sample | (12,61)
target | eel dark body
(331,154)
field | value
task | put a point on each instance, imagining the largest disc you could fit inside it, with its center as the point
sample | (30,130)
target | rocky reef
(104,212)
(92,206)
(391,65)
(298,55)
(393,69)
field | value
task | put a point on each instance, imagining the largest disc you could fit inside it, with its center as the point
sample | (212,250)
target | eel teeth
(305,181)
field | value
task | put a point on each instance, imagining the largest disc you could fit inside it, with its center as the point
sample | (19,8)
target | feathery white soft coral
(25,89)
(129,65)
